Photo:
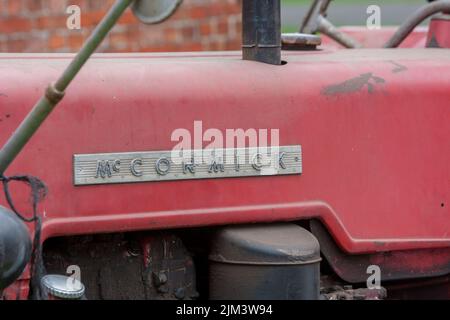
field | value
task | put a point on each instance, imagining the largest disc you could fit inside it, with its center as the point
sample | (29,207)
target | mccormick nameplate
(128,167)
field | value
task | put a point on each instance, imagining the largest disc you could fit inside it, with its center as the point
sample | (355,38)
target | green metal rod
(55,92)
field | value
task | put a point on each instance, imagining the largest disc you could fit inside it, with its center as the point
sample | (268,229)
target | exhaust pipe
(261,31)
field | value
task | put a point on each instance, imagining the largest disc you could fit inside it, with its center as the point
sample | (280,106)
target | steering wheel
(316,21)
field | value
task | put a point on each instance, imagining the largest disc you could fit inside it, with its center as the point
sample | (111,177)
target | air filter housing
(264,262)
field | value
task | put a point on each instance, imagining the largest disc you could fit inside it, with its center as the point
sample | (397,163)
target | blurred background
(350,12)
(40,25)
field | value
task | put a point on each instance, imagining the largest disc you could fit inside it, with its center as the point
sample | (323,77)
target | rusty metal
(169,270)
(420,15)
(348,293)
(133,266)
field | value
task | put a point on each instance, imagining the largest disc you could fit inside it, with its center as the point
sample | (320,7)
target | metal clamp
(53,95)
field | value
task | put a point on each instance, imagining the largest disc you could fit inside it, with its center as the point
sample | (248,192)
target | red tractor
(313,168)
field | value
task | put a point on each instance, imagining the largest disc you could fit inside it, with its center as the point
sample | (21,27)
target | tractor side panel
(374,126)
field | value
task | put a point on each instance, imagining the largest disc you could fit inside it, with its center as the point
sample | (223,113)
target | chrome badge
(128,167)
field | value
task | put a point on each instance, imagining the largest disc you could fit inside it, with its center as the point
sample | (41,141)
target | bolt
(159,278)
(180,293)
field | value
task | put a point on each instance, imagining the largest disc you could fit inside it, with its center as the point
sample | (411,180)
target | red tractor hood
(374,126)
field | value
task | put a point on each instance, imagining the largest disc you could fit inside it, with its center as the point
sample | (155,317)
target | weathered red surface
(376,161)
(439,34)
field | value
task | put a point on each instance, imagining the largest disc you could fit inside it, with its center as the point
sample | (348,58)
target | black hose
(408,26)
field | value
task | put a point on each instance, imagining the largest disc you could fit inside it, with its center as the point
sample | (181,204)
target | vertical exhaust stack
(261,34)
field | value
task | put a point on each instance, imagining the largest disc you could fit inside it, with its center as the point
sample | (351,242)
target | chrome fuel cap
(63,287)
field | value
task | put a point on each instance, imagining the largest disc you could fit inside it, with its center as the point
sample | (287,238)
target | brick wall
(41,26)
